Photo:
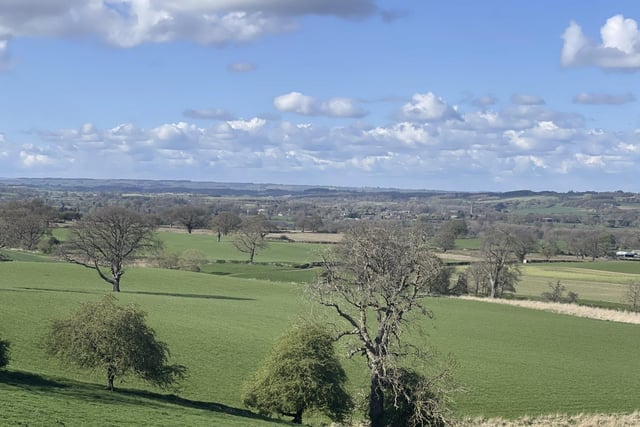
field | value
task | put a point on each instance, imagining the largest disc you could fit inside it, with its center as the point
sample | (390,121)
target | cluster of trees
(24,223)
(374,282)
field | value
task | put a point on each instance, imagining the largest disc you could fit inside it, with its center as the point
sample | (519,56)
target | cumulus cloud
(428,107)
(603,98)
(127,23)
(211,114)
(521,146)
(296,102)
(619,46)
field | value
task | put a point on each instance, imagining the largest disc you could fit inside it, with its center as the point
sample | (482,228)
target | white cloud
(619,47)
(247,125)
(296,102)
(603,99)
(4,53)
(127,23)
(427,107)
(480,150)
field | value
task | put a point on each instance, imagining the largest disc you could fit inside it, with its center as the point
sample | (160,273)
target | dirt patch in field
(570,309)
(580,420)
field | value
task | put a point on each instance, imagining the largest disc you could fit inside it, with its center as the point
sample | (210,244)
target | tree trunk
(376,402)
(297,418)
(252,253)
(116,284)
(111,375)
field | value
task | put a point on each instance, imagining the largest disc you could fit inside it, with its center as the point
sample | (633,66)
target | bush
(557,294)
(49,246)
(191,260)
(168,260)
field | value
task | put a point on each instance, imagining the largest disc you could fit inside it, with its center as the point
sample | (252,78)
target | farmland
(512,361)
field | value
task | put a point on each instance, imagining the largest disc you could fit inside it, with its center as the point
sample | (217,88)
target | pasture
(595,282)
(513,361)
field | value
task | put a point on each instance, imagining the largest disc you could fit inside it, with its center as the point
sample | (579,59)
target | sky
(463,95)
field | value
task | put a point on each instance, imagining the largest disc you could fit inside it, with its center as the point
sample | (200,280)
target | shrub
(557,294)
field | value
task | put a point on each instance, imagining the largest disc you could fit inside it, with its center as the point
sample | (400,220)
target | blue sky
(450,95)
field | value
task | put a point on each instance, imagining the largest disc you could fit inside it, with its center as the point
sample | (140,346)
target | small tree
(5,350)
(557,294)
(116,339)
(302,373)
(225,222)
(191,217)
(107,239)
(632,296)
(250,236)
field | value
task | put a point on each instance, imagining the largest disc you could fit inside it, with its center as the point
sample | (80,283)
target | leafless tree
(497,248)
(250,236)
(191,217)
(225,222)
(26,222)
(632,296)
(373,280)
(106,239)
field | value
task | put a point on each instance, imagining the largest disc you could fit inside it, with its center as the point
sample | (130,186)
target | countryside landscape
(562,345)
(329,213)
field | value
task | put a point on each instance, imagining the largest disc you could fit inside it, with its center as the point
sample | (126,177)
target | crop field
(593,281)
(513,361)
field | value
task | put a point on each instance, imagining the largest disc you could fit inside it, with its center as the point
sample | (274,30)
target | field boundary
(568,309)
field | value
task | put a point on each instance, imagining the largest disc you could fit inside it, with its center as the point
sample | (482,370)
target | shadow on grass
(28,380)
(196,404)
(21,289)
(95,393)
(204,296)
(163,294)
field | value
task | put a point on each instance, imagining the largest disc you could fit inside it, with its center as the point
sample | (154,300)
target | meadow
(221,323)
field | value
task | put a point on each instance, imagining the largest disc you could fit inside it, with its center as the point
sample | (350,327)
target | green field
(593,281)
(513,361)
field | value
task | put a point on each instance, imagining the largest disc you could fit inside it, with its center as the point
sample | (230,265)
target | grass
(514,361)
(518,361)
(469,243)
(276,251)
(593,281)
(296,253)
(270,272)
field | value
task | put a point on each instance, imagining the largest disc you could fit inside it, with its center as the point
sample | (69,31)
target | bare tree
(632,296)
(191,217)
(106,239)
(498,245)
(226,222)
(250,236)
(376,277)
(26,222)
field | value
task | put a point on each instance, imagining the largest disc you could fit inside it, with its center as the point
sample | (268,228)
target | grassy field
(177,241)
(513,361)
(593,281)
